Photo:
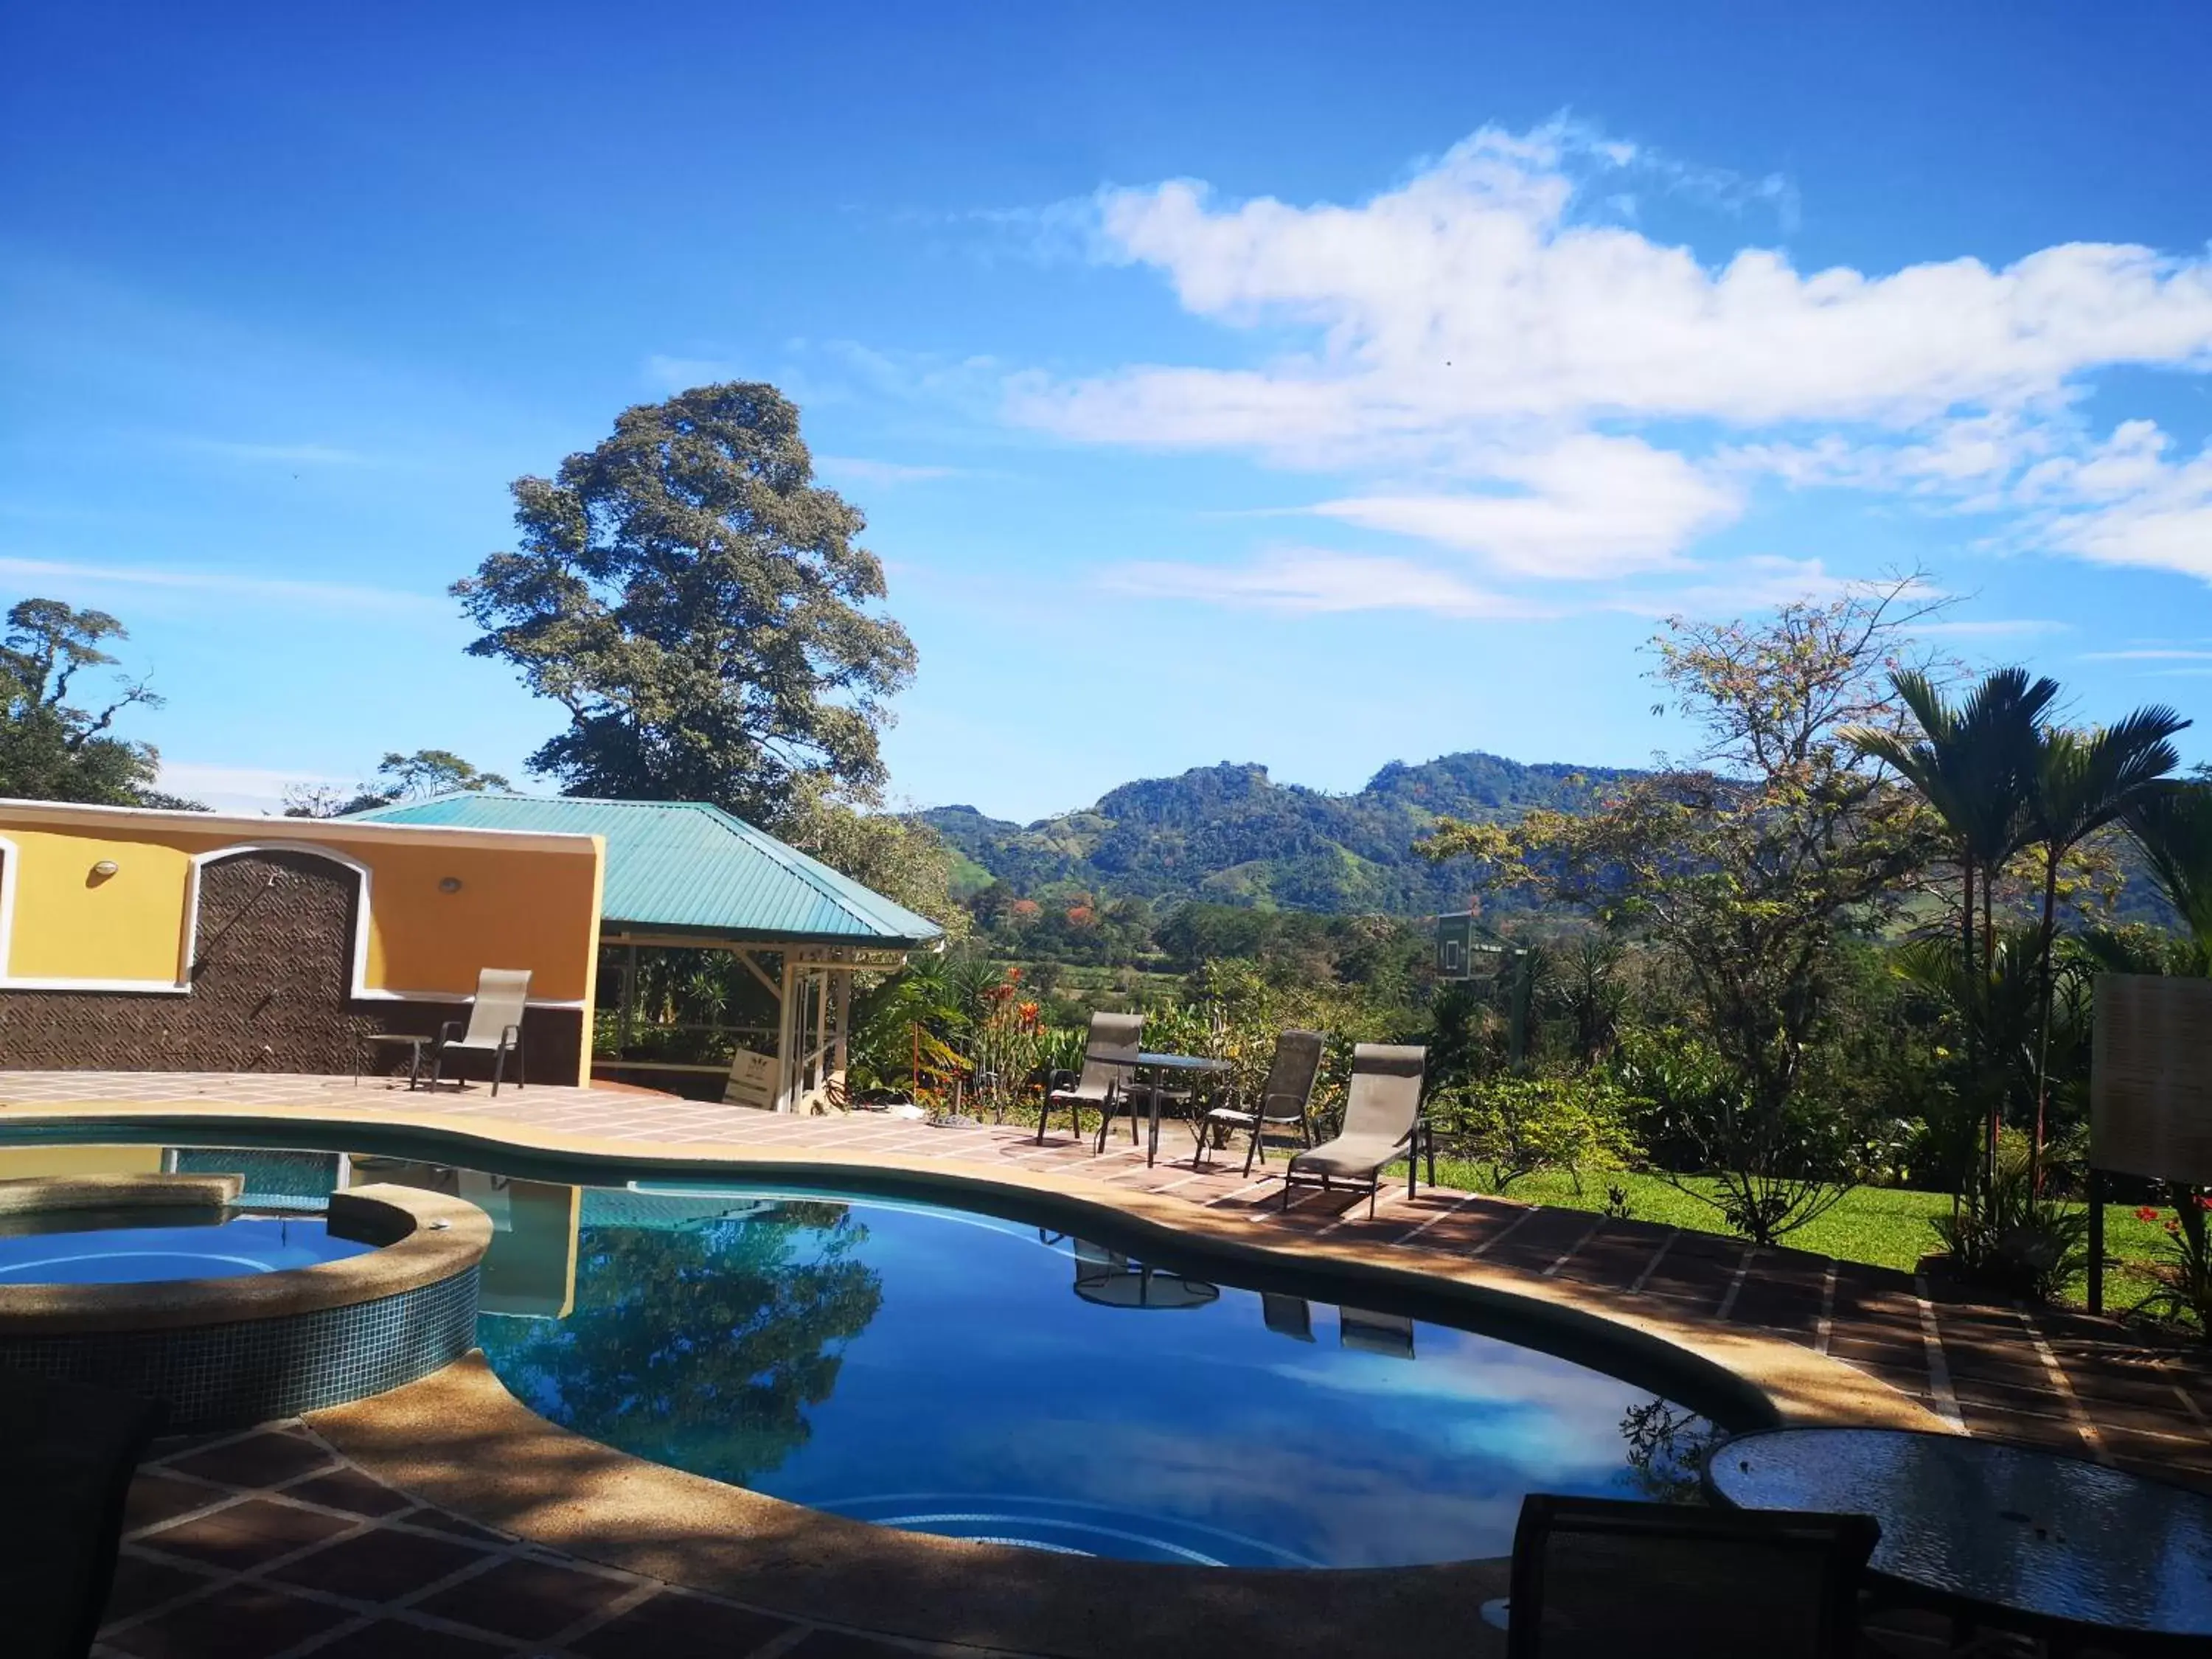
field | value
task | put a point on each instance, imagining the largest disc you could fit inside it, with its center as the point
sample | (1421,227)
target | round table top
(1182,1062)
(2051,1539)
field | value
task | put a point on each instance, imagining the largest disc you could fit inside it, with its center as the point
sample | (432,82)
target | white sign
(752,1081)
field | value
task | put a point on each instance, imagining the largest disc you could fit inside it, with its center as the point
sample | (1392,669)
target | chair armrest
(1059,1077)
(448,1030)
(510,1034)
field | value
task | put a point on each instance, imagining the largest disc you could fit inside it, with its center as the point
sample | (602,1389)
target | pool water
(142,1246)
(955,1373)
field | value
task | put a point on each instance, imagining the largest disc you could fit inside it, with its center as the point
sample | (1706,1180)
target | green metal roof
(683,866)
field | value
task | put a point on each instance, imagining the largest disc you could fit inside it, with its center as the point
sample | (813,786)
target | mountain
(1232,834)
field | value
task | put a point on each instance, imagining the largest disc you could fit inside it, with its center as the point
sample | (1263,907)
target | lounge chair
(1598,1577)
(1382,1123)
(1282,1099)
(67,1456)
(1109,1055)
(495,1025)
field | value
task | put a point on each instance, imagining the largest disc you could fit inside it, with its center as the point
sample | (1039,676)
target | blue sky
(1284,383)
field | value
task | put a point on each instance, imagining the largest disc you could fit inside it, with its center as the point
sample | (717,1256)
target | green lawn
(1887,1226)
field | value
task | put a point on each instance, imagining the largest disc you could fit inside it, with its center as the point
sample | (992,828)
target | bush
(1515,1126)
(2008,1238)
(2185,1275)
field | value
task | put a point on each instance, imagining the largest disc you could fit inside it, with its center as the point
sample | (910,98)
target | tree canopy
(701,607)
(418,776)
(51,747)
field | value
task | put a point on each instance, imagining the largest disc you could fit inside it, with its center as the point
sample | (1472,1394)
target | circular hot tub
(161,1286)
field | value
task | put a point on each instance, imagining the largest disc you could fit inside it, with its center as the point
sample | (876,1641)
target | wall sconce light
(104,869)
(449,884)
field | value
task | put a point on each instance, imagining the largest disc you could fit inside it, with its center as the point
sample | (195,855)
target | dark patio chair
(67,1455)
(1109,1057)
(1382,1123)
(1389,1334)
(1287,1315)
(1601,1578)
(1283,1100)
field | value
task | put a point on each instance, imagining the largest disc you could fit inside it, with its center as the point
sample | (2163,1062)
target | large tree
(701,608)
(51,747)
(418,776)
(1748,863)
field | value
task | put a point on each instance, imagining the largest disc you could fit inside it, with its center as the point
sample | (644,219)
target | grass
(1886,1226)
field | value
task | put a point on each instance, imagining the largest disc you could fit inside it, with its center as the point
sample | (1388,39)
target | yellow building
(140,939)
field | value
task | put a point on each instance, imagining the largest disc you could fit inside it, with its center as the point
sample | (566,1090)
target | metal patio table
(2008,1536)
(1194,1066)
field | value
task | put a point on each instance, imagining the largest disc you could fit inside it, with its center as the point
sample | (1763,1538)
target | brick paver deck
(2087,1387)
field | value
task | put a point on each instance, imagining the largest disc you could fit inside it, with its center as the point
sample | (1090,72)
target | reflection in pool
(955,1373)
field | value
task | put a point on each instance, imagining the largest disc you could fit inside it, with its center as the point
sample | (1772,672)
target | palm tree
(1972,763)
(2083,781)
(2172,825)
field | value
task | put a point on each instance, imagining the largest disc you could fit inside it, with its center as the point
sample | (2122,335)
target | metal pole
(628,997)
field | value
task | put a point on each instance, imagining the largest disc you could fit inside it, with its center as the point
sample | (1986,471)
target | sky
(1307,385)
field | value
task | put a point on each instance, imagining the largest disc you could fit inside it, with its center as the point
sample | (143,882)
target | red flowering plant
(2183,1271)
(1007,1044)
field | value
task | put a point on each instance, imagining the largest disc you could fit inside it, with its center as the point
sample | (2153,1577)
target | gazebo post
(842,982)
(786,1019)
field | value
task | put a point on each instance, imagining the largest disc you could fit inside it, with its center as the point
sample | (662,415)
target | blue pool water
(960,1373)
(137,1247)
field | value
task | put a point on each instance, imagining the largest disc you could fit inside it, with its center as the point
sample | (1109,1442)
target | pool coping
(458,1438)
(422,1239)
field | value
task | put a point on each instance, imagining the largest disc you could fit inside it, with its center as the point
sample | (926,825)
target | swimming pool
(950,1370)
(142,1246)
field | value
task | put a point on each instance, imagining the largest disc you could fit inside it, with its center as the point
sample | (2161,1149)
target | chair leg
(498,1068)
(522,1064)
(1252,1147)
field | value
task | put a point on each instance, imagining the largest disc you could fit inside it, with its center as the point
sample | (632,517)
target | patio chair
(1109,1055)
(1599,1577)
(1382,1123)
(495,1025)
(67,1456)
(1283,1098)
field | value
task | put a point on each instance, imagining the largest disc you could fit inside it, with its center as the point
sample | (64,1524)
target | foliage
(700,608)
(1668,1447)
(890,853)
(703,1343)
(2173,826)
(2183,1274)
(1515,1126)
(51,748)
(2008,1238)
(1748,866)
(418,776)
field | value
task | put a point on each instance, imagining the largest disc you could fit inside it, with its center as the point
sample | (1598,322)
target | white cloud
(227,584)
(1589,507)
(674,374)
(1313,580)
(1523,375)
(2147,655)
(1993,628)
(861,470)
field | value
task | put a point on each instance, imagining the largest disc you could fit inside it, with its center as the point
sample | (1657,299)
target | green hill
(1230,834)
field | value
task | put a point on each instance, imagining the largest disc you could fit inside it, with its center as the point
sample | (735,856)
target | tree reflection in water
(1668,1446)
(713,1337)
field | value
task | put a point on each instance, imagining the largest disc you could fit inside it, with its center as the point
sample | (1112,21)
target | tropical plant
(701,609)
(1973,763)
(2014,1240)
(1749,865)
(2183,1274)
(1515,1125)
(2173,827)
(2084,782)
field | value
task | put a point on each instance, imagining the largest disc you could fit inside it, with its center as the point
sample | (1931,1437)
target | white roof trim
(73,814)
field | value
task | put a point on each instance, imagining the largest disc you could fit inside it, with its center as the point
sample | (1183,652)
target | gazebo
(687,875)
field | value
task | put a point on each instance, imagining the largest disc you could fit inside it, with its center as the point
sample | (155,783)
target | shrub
(2009,1239)
(1515,1126)
(2184,1274)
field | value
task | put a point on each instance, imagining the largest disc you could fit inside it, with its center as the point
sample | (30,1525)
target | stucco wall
(514,907)
(516,902)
